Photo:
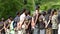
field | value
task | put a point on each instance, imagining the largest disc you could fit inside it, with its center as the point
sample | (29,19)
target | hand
(45,26)
(26,26)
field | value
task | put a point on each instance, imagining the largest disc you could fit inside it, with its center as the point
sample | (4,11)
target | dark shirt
(59,17)
(47,19)
(29,19)
(41,23)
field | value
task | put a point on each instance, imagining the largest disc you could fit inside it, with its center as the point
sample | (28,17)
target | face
(37,11)
(9,21)
(55,13)
(2,19)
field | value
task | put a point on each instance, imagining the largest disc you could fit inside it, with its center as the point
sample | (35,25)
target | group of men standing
(45,22)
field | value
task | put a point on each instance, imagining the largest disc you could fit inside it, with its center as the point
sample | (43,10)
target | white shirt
(11,25)
(22,18)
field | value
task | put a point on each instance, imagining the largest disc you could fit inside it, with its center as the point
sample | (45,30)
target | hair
(54,11)
(18,13)
(37,8)
(44,13)
(10,18)
(23,10)
(28,12)
(39,14)
(49,11)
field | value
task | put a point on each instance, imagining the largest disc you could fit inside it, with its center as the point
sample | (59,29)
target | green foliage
(10,7)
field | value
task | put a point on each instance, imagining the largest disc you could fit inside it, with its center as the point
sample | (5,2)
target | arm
(3,27)
(32,24)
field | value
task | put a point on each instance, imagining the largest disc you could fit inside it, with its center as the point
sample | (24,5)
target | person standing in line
(7,25)
(2,30)
(28,17)
(54,22)
(12,31)
(49,24)
(35,21)
(42,23)
(16,20)
(59,21)
(22,18)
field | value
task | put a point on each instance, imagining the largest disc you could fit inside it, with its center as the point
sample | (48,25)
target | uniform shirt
(54,22)
(22,18)
(17,19)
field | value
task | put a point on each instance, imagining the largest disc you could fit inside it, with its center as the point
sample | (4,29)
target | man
(59,21)
(7,25)
(55,22)
(35,21)
(16,20)
(2,31)
(28,17)
(22,18)
(41,24)
(48,18)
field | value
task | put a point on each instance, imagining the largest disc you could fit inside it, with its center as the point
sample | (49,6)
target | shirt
(11,25)
(41,23)
(54,22)
(22,18)
(17,19)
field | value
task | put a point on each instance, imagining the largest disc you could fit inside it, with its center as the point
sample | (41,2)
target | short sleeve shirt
(22,18)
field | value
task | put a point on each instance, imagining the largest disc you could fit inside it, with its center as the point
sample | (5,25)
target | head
(2,19)
(18,13)
(37,9)
(49,11)
(28,13)
(24,11)
(44,13)
(54,12)
(10,18)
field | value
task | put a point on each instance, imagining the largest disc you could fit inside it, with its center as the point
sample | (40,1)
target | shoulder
(29,17)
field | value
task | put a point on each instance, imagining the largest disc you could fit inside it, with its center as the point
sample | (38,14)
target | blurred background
(10,7)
